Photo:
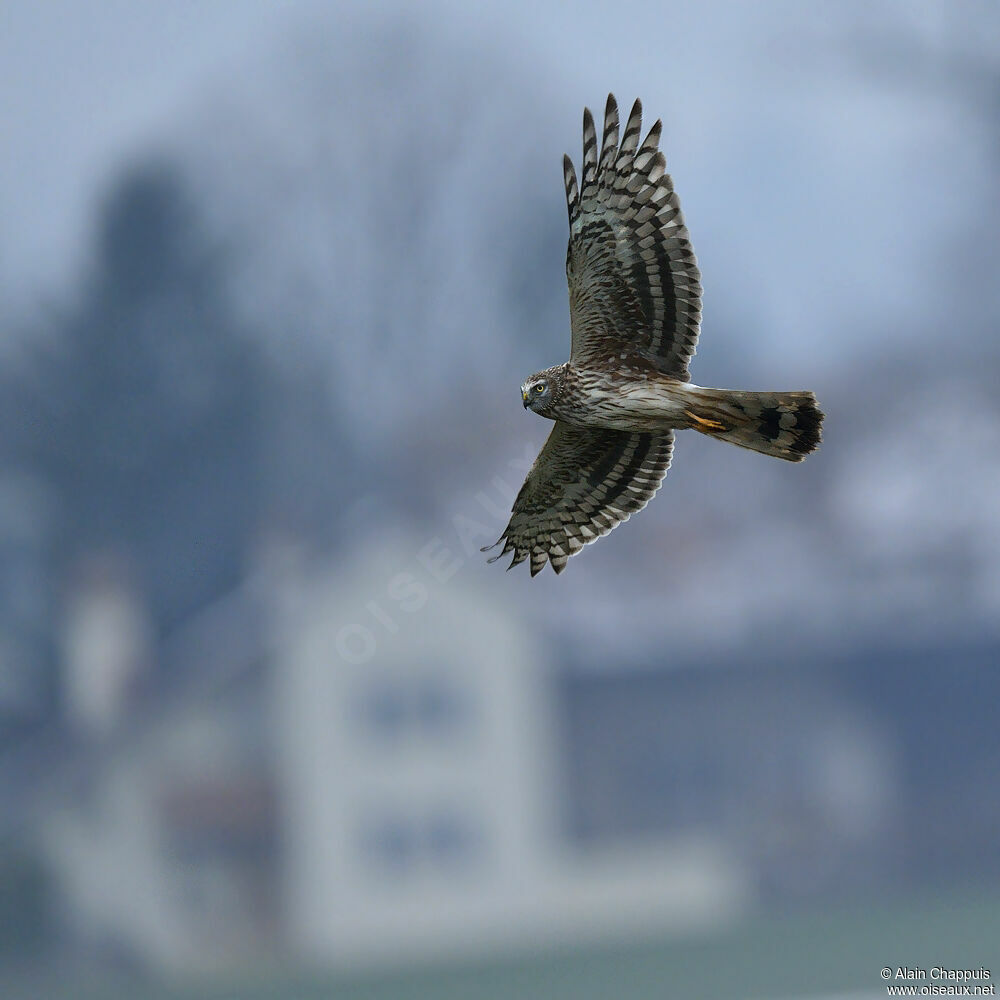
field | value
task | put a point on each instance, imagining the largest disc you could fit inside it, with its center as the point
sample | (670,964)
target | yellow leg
(705,425)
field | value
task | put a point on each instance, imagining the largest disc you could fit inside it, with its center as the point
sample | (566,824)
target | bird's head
(540,391)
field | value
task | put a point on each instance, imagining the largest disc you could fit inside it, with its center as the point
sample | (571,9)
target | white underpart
(642,405)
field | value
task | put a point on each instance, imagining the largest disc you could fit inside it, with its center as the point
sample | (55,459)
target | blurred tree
(146,412)
(24,899)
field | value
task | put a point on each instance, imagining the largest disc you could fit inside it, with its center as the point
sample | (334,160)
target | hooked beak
(524,397)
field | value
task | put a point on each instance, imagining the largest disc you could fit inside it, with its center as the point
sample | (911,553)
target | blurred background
(270,277)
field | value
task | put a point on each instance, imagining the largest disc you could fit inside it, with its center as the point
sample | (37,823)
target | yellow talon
(705,425)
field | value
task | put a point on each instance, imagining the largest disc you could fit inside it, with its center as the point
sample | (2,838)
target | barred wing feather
(584,482)
(633,279)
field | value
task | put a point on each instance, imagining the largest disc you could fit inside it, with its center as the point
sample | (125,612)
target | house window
(384,710)
(451,839)
(443,840)
(419,706)
(439,706)
(390,845)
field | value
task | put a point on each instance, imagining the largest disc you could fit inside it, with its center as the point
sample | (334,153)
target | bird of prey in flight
(635,314)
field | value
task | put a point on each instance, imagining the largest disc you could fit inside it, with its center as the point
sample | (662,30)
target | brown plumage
(635,314)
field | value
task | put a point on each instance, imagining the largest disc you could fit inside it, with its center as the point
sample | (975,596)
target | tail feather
(783,424)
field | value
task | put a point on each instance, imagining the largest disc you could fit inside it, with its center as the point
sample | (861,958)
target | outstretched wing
(633,278)
(584,482)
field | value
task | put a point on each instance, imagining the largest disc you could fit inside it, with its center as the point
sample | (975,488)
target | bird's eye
(540,387)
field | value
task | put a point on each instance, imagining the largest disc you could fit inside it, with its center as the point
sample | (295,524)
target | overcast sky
(82,85)
(826,201)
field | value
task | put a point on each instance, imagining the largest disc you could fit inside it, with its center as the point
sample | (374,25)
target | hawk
(635,314)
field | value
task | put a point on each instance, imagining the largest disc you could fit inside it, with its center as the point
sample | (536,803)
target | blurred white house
(373,760)
(420,784)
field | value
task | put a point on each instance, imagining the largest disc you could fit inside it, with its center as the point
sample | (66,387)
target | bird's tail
(783,424)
